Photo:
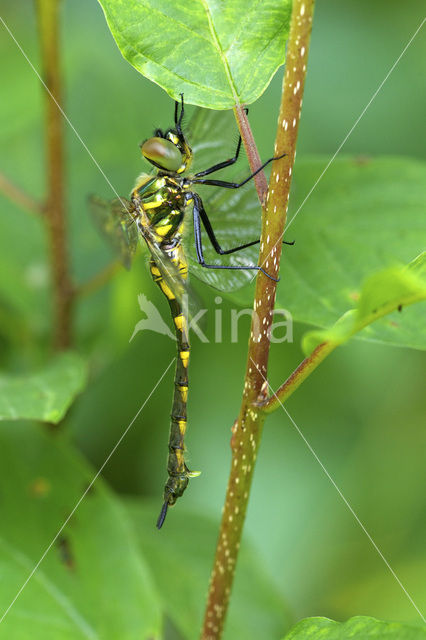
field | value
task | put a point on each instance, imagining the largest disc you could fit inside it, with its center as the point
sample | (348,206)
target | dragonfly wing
(171,275)
(116,223)
(123,211)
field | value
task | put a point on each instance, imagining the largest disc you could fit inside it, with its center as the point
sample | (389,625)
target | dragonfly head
(168,151)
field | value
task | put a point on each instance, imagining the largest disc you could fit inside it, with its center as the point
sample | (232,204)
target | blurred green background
(361,411)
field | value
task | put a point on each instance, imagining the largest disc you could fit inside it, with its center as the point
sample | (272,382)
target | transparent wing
(171,275)
(235,214)
(115,222)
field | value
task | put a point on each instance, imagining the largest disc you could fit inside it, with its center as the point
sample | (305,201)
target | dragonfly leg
(211,234)
(225,163)
(221,165)
(178,118)
(199,246)
(199,207)
(234,185)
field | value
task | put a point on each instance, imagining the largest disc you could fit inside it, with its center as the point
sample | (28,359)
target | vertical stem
(48,23)
(288,120)
(247,430)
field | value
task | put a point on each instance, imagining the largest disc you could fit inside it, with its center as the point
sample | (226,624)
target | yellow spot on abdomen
(180,321)
(155,270)
(166,290)
(184,356)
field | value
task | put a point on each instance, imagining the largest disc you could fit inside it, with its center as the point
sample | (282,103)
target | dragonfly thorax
(160,202)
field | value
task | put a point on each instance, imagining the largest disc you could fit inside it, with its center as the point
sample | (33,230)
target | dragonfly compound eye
(162,153)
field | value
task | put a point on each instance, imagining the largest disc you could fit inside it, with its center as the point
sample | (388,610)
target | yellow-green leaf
(216,53)
(385,292)
(358,628)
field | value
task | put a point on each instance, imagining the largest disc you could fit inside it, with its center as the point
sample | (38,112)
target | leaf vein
(220,51)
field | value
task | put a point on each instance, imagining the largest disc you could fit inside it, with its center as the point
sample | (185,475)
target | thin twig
(98,280)
(321,351)
(48,22)
(19,196)
(305,368)
(247,430)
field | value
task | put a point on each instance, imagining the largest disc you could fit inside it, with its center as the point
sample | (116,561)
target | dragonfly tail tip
(162,515)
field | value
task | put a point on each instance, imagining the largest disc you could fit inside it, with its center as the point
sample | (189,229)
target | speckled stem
(247,430)
(48,23)
(288,126)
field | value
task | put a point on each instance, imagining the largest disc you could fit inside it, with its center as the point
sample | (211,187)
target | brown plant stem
(48,23)
(247,430)
(19,196)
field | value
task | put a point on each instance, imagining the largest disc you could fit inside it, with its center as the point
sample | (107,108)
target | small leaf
(382,293)
(217,54)
(358,628)
(45,395)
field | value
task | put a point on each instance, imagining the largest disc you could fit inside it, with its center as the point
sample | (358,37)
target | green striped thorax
(168,151)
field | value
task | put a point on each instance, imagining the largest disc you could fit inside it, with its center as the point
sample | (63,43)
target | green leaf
(363,216)
(93,582)
(181,558)
(217,54)
(382,293)
(46,395)
(358,628)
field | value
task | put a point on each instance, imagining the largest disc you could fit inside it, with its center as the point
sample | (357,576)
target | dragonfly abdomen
(178,472)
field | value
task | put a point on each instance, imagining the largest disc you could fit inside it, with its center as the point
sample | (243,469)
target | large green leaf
(358,628)
(45,395)
(364,216)
(93,582)
(181,564)
(383,293)
(216,53)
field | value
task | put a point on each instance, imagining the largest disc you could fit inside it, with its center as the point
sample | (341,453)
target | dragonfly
(157,212)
